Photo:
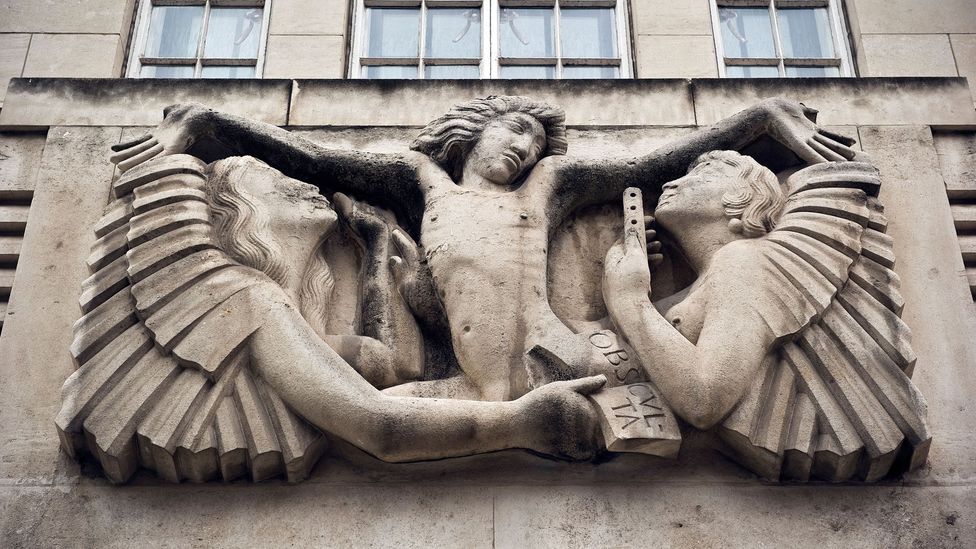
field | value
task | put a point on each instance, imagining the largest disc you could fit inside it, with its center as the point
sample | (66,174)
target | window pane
(820,72)
(590,72)
(527,33)
(437,72)
(233,33)
(174,31)
(453,33)
(588,33)
(392,32)
(805,32)
(166,71)
(736,71)
(227,72)
(541,71)
(390,71)
(747,32)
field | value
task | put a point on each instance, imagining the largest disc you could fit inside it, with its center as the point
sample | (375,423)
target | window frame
(838,34)
(138,59)
(490,62)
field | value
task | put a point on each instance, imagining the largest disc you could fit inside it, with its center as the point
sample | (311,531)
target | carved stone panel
(759,302)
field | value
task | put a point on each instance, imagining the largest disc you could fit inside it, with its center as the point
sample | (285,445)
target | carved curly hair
(450,138)
(757,199)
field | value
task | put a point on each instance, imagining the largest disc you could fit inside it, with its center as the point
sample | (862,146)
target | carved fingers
(181,126)
(135,152)
(406,247)
(562,421)
(654,247)
(368,224)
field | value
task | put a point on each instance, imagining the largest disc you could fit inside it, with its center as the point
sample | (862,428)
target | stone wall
(55,142)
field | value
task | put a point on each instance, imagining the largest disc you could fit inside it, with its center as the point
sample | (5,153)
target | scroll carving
(207,347)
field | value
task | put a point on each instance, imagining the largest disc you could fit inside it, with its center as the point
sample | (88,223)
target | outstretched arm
(702,380)
(315,382)
(392,351)
(580,183)
(387,179)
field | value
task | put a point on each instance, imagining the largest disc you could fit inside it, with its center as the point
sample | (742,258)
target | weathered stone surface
(676,56)
(92,56)
(75,171)
(360,103)
(964,51)
(673,17)
(914,16)
(68,16)
(938,304)
(13,52)
(305,56)
(942,101)
(20,159)
(309,17)
(907,55)
(691,516)
(957,160)
(34,102)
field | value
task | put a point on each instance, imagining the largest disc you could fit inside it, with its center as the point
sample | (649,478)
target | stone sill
(36,103)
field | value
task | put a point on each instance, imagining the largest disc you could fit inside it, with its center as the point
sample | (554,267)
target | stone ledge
(931,101)
(42,102)
(587,102)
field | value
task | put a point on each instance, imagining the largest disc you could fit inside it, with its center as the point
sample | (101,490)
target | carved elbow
(703,420)
(706,411)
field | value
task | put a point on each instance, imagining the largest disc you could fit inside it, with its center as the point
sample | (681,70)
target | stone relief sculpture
(204,351)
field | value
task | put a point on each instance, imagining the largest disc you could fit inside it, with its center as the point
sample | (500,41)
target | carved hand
(794,125)
(626,276)
(416,284)
(182,126)
(560,420)
(367,223)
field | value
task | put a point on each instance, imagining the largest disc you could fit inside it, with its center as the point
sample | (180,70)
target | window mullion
(839,35)
(484,64)
(556,36)
(265,34)
(494,25)
(201,44)
(421,45)
(776,42)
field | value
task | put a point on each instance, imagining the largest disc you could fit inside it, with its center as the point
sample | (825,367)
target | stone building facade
(907,102)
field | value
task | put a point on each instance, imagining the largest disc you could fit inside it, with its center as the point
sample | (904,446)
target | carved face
(509,145)
(296,210)
(696,197)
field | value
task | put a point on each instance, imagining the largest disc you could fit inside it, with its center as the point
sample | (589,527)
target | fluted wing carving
(836,400)
(163,379)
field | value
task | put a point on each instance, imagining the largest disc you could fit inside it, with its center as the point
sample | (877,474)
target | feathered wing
(835,401)
(163,380)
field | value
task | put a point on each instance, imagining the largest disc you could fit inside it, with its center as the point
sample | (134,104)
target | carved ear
(735,225)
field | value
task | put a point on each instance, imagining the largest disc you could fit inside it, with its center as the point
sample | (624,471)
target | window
(522,39)
(776,38)
(199,39)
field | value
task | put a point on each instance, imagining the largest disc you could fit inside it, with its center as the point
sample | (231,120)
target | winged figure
(790,339)
(200,353)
